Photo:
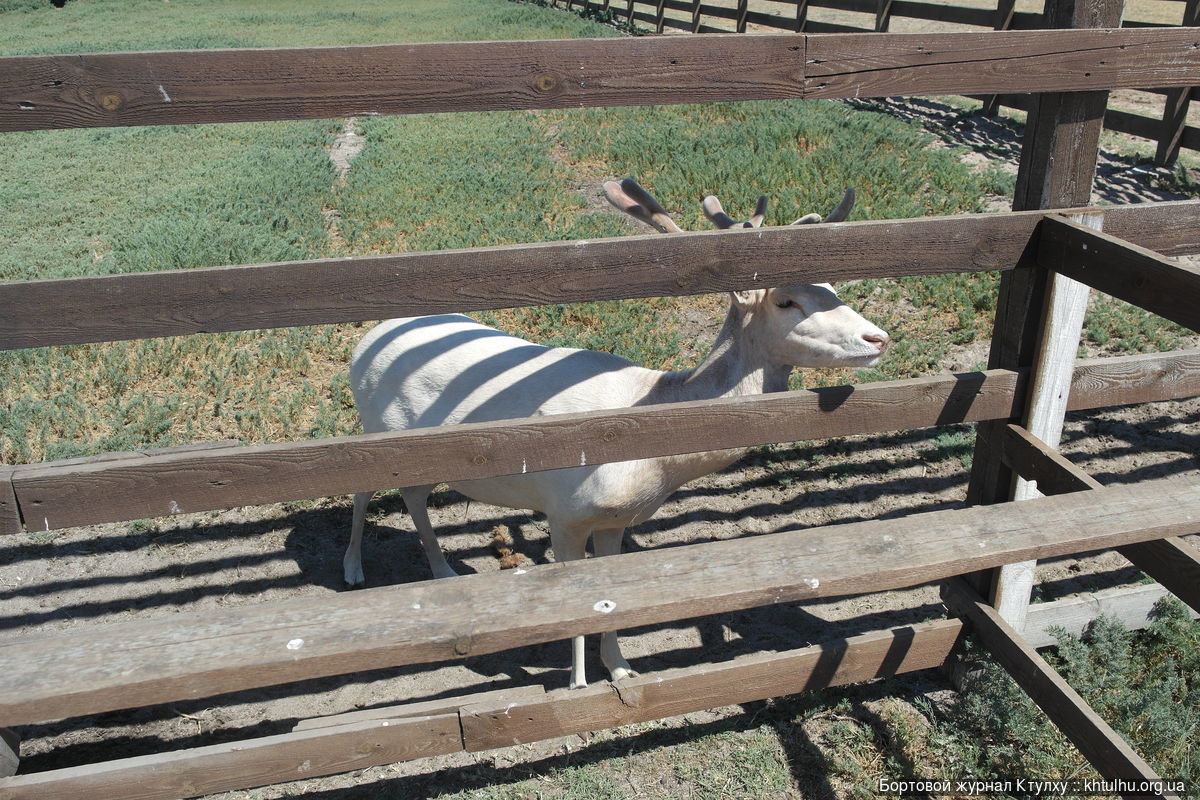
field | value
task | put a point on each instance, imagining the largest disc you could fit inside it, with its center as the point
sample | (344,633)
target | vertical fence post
(696,15)
(743,6)
(1175,110)
(660,16)
(1058,165)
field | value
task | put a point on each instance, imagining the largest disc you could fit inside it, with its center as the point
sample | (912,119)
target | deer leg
(570,544)
(608,543)
(416,499)
(352,561)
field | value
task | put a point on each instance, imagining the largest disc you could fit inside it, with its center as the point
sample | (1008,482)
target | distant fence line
(1170,130)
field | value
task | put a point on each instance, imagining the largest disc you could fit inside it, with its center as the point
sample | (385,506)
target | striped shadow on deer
(447,369)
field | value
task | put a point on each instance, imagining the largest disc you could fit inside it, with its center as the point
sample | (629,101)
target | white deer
(448,369)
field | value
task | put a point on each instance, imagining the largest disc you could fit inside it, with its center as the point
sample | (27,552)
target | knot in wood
(111,102)
(545,83)
(462,644)
(479,461)
(609,436)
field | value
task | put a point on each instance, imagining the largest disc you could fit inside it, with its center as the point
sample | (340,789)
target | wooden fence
(125,665)
(1170,130)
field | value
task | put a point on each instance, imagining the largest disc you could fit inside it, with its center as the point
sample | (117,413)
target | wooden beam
(52,496)
(245,764)
(98,668)
(1058,164)
(75,492)
(679,691)
(149,304)
(1172,562)
(1111,755)
(202,86)
(1146,378)
(1132,605)
(1122,269)
(445,705)
(10,512)
(1061,327)
(882,65)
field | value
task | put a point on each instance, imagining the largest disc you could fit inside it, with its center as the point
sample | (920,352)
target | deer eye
(789,303)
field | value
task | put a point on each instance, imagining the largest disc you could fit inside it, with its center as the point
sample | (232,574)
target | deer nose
(881,340)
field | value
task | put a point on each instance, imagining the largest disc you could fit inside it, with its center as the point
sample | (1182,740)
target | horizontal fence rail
(187,655)
(205,300)
(198,86)
(482,721)
(84,492)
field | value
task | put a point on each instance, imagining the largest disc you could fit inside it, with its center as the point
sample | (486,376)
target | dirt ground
(112,573)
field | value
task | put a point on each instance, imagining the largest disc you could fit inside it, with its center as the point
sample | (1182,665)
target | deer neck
(734,367)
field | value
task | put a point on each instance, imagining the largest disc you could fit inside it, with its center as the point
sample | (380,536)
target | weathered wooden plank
(159,88)
(1058,164)
(1171,562)
(1122,269)
(174,87)
(679,691)
(1146,378)
(999,61)
(1130,604)
(1045,412)
(10,752)
(143,305)
(245,764)
(445,705)
(10,512)
(188,655)
(56,497)
(1100,744)
(65,494)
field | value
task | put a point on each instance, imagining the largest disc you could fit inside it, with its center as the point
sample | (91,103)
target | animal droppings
(604,606)
(295,644)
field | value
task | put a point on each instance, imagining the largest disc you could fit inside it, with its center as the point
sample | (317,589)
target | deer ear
(747,298)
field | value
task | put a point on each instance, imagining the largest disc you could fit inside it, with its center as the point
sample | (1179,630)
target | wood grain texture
(1000,61)
(1122,269)
(150,304)
(174,87)
(1172,562)
(160,88)
(445,705)
(191,655)
(245,764)
(679,691)
(10,513)
(1146,378)
(1133,605)
(52,497)
(75,492)
(1111,755)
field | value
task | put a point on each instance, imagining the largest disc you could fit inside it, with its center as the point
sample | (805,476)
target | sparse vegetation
(105,201)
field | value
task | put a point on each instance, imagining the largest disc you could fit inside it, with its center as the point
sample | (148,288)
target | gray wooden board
(679,691)
(1133,605)
(247,763)
(149,304)
(62,495)
(191,655)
